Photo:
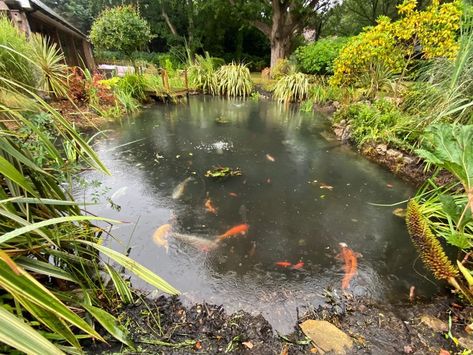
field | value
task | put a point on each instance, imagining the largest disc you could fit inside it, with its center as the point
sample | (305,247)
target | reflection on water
(301,193)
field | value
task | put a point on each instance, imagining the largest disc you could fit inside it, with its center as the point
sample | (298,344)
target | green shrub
(133,85)
(318,57)
(282,68)
(292,88)
(233,80)
(378,122)
(120,29)
(12,64)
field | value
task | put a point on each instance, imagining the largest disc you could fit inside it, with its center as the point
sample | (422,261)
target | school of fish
(162,234)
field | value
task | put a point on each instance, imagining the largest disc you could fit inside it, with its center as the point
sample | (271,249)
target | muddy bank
(164,325)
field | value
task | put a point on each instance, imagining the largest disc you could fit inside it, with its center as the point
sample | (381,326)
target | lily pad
(222,172)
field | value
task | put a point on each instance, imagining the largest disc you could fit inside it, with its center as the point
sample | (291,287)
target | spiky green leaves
(429,248)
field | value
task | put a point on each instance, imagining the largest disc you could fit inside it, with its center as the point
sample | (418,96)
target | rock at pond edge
(326,337)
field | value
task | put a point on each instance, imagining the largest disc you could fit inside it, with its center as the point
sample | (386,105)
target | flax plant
(52,287)
(292,88)
(233,80)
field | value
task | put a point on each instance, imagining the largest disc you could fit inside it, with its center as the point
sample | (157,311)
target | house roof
(37,7)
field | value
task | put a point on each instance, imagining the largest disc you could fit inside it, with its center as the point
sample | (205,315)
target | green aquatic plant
(222,172)
(233,80)
(292,88)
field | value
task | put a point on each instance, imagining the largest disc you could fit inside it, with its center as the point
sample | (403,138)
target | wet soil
(164,325)
(81,116)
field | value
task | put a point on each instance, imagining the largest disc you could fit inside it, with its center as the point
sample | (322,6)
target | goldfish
(240,229)
(270,158)
(298,266)
(160,236)
(209,207)
(351,264)
(283,263)
(179,189)
(197,242)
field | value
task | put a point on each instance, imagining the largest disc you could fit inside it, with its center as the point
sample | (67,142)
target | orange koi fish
(283,263)
(209,207)
(298,266)
(351,264)
(240,229)
(160,236)
(232,194)
(270,158)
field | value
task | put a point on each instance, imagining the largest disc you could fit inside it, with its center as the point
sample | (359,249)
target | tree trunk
(279,49)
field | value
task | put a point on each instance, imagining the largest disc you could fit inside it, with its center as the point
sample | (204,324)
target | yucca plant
(292,88)
(52,290)
(51,62)
(233,80)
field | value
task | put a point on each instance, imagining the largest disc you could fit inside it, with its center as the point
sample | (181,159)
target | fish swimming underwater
(160,236)
(298,266)
(209,207)
(179,189)
(283,263)
(197,242)
(351,264)
(240,229)
(270,158)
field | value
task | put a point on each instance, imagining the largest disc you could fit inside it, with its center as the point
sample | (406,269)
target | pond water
(301,193)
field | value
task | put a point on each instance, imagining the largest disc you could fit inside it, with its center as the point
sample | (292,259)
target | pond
(301,192)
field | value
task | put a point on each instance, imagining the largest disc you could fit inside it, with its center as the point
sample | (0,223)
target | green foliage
(450,147)
(202,74)
(292,88)
(318,57)
(378,122)
(282,68)
(133,85)
(44,238)
(120,29)
(14,64)
(233,80)
(449,87)
(394,44)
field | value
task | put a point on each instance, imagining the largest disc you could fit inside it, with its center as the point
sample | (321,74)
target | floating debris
(221,120)
(325,186)
(221,172)
(400,212)
(270,158)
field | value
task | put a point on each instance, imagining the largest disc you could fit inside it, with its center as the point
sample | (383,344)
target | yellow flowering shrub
(433,31)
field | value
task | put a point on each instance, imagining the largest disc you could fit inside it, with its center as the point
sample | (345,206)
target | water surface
(315,194)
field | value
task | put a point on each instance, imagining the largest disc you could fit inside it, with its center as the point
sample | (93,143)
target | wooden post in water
(186,83)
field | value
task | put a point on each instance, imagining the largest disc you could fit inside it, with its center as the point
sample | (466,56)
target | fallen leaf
(434,323)
(408,349)
(325,186)
(444,352)
(285,350)
(314,351)
(270,158)
(198,345)
(248,344)
(400,212)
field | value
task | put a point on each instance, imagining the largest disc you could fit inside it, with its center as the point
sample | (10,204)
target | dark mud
(164,325)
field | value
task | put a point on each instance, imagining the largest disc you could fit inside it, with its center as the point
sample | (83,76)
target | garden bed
(165,325)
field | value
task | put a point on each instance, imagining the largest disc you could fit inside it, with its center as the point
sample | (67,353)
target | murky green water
(315,194)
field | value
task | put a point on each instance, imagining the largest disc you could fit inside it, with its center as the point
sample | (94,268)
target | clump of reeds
(292,88)
(233,80)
